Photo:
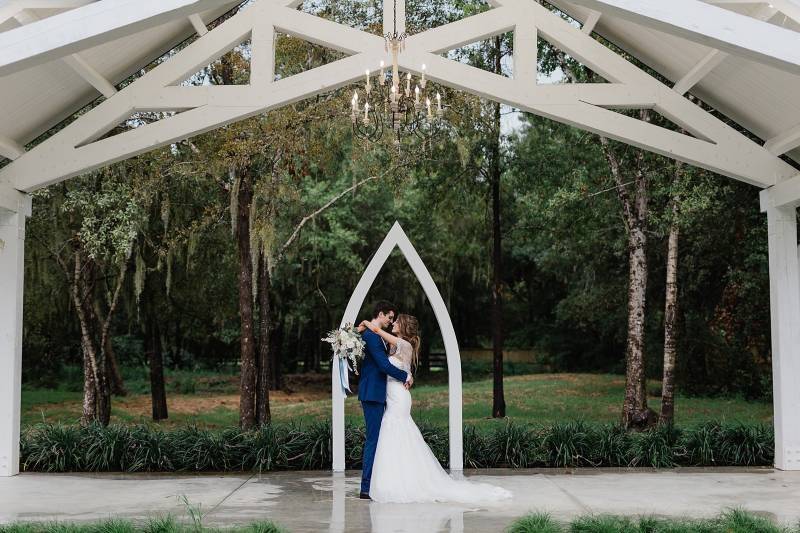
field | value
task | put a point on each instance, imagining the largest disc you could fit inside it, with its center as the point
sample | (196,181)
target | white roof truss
(84,27)
(591,22)
(714,145)
(74,61)
(712,26)
(198,24)
(715,57)
(788,140)
(11,149)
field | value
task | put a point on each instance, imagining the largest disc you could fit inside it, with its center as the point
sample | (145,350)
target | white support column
(784,282)
(390,9)
(12,248)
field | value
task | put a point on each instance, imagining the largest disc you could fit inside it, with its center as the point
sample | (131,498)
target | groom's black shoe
(364,496)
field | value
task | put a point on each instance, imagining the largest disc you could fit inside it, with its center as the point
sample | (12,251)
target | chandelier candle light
(403,111)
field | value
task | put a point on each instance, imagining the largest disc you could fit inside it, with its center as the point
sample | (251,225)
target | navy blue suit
(372,394)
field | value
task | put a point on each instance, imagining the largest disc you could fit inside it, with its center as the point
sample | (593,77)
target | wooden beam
(786,141)
(198,24)
(90,75)
(711,26)
(699,71)
(75,61)
(591,22)
(389,22)
(88,26)
(10,149)
(712,145)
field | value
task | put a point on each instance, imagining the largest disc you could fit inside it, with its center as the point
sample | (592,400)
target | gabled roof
(763,99)
(34,100)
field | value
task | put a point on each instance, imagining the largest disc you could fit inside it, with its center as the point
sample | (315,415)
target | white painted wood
(591,22)
(699,71)
(74,61)
(388,16)
(783,194)
(790,8)
(14,201)
(262,59)
(94,78)
(11,149)
(88,26)
(525,54)
(717,147)
(12,248)
(712,26)
(12,8)
(198,24)
(465,31)
(396,238)
(782,143)
(785,319)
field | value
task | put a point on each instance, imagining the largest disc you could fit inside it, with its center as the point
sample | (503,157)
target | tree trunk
(667,415)
(275,377)
(89,412)
(97,397)
(263,414)
(425,357)
(117,383)
(498,397)
(247,401)
(635,412)
(635,404)
(155,360)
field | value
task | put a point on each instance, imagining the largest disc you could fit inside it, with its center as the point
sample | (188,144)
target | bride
(405,470)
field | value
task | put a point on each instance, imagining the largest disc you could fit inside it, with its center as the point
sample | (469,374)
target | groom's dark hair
(382,306)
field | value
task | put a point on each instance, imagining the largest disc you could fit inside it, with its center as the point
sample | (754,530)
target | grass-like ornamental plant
(732,521)
(142,448)
(166,524)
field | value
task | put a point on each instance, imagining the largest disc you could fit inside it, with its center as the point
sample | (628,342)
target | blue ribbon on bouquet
(344,377)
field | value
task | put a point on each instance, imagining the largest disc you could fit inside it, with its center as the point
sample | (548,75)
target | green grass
(537,398)
(733,521)
(116,525)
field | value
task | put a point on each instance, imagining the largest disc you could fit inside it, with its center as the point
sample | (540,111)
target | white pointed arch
(397,238)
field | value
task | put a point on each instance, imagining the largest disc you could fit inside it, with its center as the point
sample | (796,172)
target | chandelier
(400,105)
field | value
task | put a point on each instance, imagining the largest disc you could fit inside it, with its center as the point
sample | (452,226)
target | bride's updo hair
(409,331)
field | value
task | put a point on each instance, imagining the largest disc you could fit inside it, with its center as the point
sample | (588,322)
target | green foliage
(59,448)
(564,257)
(732,521)
(535,523)
(163,524)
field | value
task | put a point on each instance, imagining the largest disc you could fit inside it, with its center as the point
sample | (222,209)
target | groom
(372,385)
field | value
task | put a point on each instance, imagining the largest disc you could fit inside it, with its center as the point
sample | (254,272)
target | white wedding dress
(405,469)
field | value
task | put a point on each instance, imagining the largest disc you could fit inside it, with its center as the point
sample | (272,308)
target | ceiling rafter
(87,26)
(198,24)
(712,26)
(10,149)
(74,61)
(715,145)
(785,141)
(715,57)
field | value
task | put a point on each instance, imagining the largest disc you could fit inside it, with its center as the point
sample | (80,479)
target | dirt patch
(192,404)
(187,404)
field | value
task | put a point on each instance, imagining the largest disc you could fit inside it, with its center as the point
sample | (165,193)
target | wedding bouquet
(348,346)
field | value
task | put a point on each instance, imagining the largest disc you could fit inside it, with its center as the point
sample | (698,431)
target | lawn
(536,398)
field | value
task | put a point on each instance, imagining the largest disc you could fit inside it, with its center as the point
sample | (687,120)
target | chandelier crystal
(399,104)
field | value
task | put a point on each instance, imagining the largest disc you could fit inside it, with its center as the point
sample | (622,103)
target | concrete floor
(320,501)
